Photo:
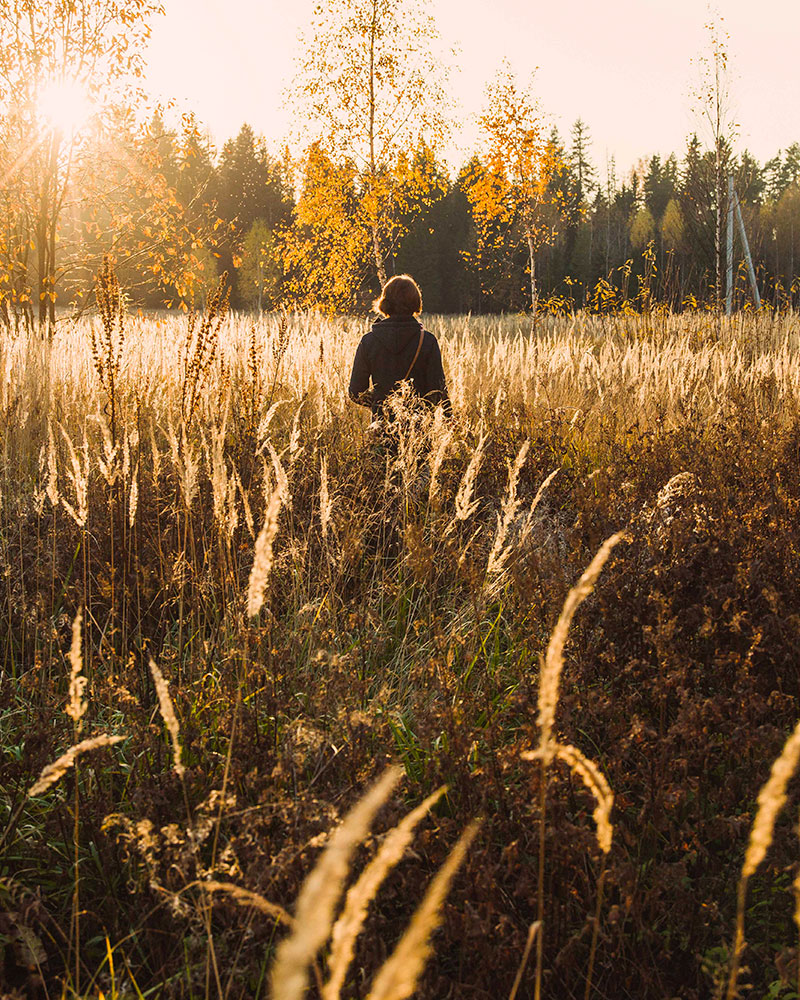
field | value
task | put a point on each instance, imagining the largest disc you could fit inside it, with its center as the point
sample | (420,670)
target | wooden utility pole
(729,284)
(734,206)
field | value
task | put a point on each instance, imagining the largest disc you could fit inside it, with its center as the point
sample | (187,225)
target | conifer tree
(580,162)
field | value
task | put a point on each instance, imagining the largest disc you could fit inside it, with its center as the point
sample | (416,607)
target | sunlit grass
(217,508)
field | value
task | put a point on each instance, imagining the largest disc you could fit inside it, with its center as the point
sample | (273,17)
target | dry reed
(533,930)
(594,780)
(348,926)
(321,891)
(262,560)
(554,658)
(570,378)
(58,768)
(528,522)
(325,499)
(465,506)
(167,710)
(771,800)
(397,977)
(244,897)
(499,554)
(77,705)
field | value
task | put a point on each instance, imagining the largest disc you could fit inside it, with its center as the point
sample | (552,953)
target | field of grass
(399,611)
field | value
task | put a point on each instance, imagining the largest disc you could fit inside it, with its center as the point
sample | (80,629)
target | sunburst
(65,105)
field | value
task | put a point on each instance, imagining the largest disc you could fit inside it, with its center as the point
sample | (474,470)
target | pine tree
(249,186)
(659,185)
(582,168)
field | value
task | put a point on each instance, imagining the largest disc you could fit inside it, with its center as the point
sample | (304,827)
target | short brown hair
(400,296)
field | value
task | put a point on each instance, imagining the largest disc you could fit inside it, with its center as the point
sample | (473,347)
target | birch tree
(369,89)
(712,105)
(61,61)
(514,192)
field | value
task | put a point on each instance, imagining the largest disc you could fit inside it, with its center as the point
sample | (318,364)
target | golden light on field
(65,106)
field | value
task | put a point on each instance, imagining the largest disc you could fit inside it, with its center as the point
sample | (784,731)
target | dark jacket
(385,355)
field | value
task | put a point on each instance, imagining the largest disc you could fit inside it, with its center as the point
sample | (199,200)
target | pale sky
(626,67)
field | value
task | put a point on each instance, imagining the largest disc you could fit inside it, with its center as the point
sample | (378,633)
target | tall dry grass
(204,493)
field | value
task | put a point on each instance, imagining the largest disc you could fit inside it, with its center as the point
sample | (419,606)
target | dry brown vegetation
(272,613)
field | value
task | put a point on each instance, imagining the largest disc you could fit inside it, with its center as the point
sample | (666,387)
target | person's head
(399,297)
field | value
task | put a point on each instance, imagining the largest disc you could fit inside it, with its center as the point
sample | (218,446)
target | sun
(65,105)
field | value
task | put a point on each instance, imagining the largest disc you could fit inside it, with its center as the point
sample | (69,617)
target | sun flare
(65,105)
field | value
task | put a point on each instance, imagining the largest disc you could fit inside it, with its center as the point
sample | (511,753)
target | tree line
(647,237)
(530,221)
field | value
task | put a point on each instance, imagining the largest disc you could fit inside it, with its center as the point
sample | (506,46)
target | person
(398,349)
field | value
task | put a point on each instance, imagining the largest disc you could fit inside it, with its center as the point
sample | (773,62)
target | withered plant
(320,607)
(199,349)
(107,346)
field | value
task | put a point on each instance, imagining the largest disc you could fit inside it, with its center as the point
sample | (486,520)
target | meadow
(268,611)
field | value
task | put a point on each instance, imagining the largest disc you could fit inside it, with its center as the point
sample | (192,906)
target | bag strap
(419,348)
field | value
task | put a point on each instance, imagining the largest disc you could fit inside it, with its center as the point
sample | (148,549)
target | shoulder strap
(419,348)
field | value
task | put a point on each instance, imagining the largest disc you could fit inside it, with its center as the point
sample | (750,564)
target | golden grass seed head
(167,710)
(281,477)
(465,506)
(76,708)
(244,897)
(397,978)
(594,779)
(796,890)
(52,469)
(771,800)
(248,514)
(262,560)
(349,925)
(79,476)
(133,497)
(498,554)
(325,499)
(554,658)
(55,771)
(321,891)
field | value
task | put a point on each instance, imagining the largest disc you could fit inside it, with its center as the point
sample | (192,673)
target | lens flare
(65,105)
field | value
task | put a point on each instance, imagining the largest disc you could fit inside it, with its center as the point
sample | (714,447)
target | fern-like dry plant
(200,349)
(107,345)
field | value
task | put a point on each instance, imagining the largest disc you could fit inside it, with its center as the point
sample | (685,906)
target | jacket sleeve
(434,377)
(359,390)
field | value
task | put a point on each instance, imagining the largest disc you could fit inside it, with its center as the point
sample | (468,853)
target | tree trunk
(41,256)
(373,173)
(376,249)
(51,277)
(534,290)
(718,230)
(45,238)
